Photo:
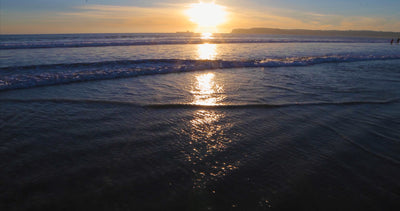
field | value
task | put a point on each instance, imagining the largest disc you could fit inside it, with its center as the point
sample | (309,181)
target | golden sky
(169,16)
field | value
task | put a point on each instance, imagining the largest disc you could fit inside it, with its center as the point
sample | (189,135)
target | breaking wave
(196,106)
(168,40)
(43,75)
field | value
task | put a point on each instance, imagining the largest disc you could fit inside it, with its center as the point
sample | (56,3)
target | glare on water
(207,131)
(206,36)
(207,51)
(206,91)
(208,137)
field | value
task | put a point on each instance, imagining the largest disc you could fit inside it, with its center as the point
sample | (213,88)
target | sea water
(181,122)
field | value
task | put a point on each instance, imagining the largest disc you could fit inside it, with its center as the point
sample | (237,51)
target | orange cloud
(171,18)
(102,19)
(290,19)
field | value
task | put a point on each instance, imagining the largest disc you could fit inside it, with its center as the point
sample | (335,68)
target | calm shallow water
(316,136)
(296,142)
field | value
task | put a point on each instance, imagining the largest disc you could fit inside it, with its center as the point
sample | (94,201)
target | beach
(176,122)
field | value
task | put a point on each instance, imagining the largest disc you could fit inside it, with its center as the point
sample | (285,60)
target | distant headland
(350,33)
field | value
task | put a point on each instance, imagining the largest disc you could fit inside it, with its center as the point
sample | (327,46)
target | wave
(72,101)
(196,106)
(105,43)
(54,74)
(241,106)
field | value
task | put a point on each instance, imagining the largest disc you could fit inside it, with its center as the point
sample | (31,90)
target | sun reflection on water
(206,91)
(208,138)
(207,51)
(207,36)
(209,132)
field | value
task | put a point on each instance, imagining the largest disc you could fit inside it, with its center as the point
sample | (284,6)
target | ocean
(186,122)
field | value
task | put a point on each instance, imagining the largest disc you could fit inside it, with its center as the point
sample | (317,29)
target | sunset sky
(114,16)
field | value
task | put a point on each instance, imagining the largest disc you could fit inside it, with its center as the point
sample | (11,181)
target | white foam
(42,75)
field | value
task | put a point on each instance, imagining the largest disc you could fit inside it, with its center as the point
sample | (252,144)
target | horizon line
(231,32)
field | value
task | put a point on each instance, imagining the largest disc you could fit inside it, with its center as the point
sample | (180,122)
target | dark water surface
(322,137)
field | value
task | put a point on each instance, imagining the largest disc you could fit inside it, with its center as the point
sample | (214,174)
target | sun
(207,14)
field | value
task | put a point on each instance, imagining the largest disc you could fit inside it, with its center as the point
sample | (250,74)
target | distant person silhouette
(398,40)
(391,42)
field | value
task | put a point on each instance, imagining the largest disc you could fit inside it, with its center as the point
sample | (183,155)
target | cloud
(293,19)
(101,19)
(154,19)
(168,17)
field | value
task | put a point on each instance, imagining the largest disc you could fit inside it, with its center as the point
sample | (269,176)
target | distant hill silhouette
(349,33)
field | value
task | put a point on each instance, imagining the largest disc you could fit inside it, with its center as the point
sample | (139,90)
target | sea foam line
(29,45)
(55,74)
(196,106)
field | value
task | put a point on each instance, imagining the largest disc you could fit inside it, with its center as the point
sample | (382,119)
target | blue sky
(86,16)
